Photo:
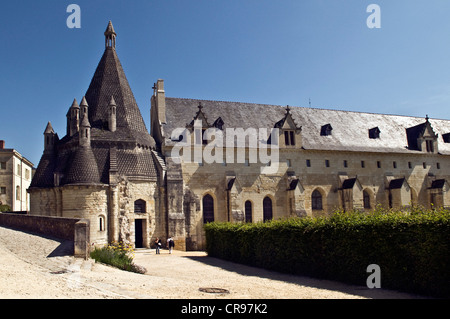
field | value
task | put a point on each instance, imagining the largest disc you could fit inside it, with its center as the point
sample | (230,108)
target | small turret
(110,36)
(83,108)
(112,115)
(50,138)
(85,132)
(73,118)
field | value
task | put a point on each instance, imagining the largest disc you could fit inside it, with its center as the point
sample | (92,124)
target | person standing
(158,245)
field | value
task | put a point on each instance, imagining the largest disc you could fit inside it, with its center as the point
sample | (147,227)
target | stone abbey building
(226,161)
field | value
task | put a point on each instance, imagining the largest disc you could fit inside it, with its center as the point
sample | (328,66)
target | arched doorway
(208,209)
(139,233)
(267,209)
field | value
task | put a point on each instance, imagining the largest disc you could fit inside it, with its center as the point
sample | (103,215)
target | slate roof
(109,80)
(82,168)
(131,144)
(350,129)
(43,177)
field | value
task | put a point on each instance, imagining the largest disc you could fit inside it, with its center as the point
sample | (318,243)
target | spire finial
(110,36)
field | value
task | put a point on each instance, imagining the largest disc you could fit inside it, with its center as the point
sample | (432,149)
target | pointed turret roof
(109,81)
(75,103)
(110,28)
(49,128)
(83,102)
(90,164)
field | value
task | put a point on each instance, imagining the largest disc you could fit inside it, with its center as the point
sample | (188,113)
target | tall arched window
(208,209)
(101,223)
(267,209)
(139,206)
(316,200)
(248,211)
(366,200)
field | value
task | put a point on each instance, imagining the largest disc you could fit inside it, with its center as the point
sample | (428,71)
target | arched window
(316,200)
(208,209)
(267,209)
(248,211)
(101,223)
(366,200)
(139,206)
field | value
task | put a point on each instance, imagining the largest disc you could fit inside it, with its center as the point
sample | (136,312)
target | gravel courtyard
(39,267)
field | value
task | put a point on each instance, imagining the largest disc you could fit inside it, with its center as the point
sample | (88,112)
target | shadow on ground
(362,291)
(65,247)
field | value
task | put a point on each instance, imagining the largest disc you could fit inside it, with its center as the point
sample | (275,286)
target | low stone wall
(74,229)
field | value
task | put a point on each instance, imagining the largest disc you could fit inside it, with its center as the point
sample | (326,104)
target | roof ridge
(307,107)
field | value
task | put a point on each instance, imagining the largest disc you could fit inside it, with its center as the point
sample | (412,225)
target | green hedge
(412,248)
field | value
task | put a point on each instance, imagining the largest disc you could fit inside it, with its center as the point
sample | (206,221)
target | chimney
(112,115)
(2,144)
(160,97)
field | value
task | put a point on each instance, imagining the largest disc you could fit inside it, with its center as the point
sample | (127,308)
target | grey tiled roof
(132,143)
(350,129)
(109,80)
(43,176)
(82,168)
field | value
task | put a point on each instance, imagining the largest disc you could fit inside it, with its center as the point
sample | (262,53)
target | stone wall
(324,171)
(74,229)
(109,208)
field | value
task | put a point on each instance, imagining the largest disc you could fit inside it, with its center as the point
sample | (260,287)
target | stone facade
(313,178)
(15,177)
(105,169)
(209,161)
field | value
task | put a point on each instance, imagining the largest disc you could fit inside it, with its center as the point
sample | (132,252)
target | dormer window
(289,138)
(374,133)
(422,138)
(199,125)
(200,137)
(326,130)
(288,128)
(430,146)
(218,123)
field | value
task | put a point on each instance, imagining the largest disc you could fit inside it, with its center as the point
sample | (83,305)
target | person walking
(158,245)
(170,244)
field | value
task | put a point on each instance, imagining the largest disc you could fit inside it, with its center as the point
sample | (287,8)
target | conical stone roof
(109,81)
(130,143)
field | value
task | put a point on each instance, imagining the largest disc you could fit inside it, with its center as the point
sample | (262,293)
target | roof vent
(326,130)
(374,132)
(446,138)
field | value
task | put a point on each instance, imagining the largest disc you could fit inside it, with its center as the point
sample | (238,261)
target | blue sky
(282,52)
